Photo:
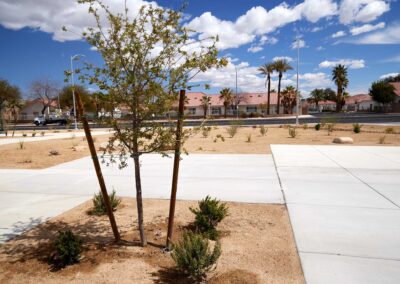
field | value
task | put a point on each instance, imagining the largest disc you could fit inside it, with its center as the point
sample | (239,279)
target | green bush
(248,138)
(292,132)
(232,130)
(356,127)
(330,127)
(194,257)
(389,130)
(208,215)
(317,126)
(263,130)
(99,207)
(68,247)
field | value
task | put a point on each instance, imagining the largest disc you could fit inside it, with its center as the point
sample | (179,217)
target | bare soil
(248,140)
(257,247)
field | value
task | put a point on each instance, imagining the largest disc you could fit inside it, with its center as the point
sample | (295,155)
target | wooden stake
(96,164)
(177,158)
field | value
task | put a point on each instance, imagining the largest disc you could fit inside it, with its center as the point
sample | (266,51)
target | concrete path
(34,195)
(48,136)
(344,206)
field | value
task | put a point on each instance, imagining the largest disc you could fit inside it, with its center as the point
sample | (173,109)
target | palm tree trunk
(339,99)
(279,93)
(225,107)
(139,200)
(269,95)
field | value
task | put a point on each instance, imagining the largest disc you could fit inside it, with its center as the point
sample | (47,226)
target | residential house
(33,108)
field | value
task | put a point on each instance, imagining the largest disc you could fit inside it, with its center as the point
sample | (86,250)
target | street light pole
(237,99)
(297,82)
(76,56)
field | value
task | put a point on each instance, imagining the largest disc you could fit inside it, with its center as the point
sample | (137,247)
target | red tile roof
(396,88)
(194,99)
(358,98)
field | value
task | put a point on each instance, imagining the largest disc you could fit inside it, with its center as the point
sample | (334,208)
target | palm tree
(288,99)
(281,66)
(339,76)
(226,95)
(205,103)
(267,69)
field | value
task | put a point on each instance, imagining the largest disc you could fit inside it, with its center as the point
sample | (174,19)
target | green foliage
(33,133)
(330,127)
(99,207)
(389,130)
(194,257)
(356,127)
(24,135)
(208,215)
(42,133)
(382,92)
(263,130)
(317,126)
(68,247)
(54,153)
(219,136)
(21,144)
(205,131)
(292,132)
(233,128)
(339,77)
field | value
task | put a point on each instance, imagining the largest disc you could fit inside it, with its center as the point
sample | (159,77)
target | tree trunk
(1,117)
(339,100)
(279,92)
(225,111)
(269,94)
(139,200)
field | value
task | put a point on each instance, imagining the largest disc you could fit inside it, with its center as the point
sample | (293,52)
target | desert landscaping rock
(343,140)
(79,148)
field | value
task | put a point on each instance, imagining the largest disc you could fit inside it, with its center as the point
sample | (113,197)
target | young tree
(267,69)
(289,99)
(339,76)
(226,95)
(147,59)
(205,104)
(44,91)
(382,92)
(8,95)
(281,66)
(329,94)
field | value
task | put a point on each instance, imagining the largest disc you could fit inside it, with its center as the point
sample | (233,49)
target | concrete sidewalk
(343,204)
(35,195)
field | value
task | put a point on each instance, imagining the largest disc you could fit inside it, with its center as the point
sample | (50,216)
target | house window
(251,109)
(216,111)
(192,111)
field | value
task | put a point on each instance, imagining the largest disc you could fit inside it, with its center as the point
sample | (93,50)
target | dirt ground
(257,247)
(248,140)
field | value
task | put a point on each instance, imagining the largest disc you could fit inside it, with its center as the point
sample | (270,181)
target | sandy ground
(257,245)
(35,155)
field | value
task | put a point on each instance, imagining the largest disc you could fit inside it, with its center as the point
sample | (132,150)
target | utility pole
(297,81)
(237,99)
(75,57)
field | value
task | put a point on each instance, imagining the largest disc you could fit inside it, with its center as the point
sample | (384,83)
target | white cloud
(301,44)
(50,15)
(350,63)
(362,10)
(287,58)
(313,80)
(268,40)
(316,29)
(319,48)
(338,34)
(388,75)
(255,48)
(366,28)
(389,35)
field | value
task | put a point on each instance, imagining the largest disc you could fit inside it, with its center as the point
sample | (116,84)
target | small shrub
(33,133)
(382,139)
(215,140)
(263,130)
(254,127)
(27,161)
(99,207)
(219,136)
(389,130)
(68,247)
(317,126)
(248,140)
(194,257)
(54,153)
(21,145)
(200,149)
(24,135)
(208,215)
(305,126)
(356,127)
(42,133)
(205,131)
(330,127)
(292,132)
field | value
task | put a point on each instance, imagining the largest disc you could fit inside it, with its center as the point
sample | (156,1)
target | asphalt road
(336,117)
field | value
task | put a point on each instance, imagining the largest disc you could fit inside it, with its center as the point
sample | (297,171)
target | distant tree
(45,91)
(392,79)
(382,92)
(288,99)
(104,102)
(339,77)
(8,95)
(281,66)
(316,96)
(147,60)
(329,95)
(226,95)
(205,104)
(66,98)
(267,69)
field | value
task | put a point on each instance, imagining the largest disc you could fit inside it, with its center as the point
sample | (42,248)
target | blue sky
(362,34)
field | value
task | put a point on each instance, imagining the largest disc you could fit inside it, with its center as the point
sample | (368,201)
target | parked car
(51,119)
